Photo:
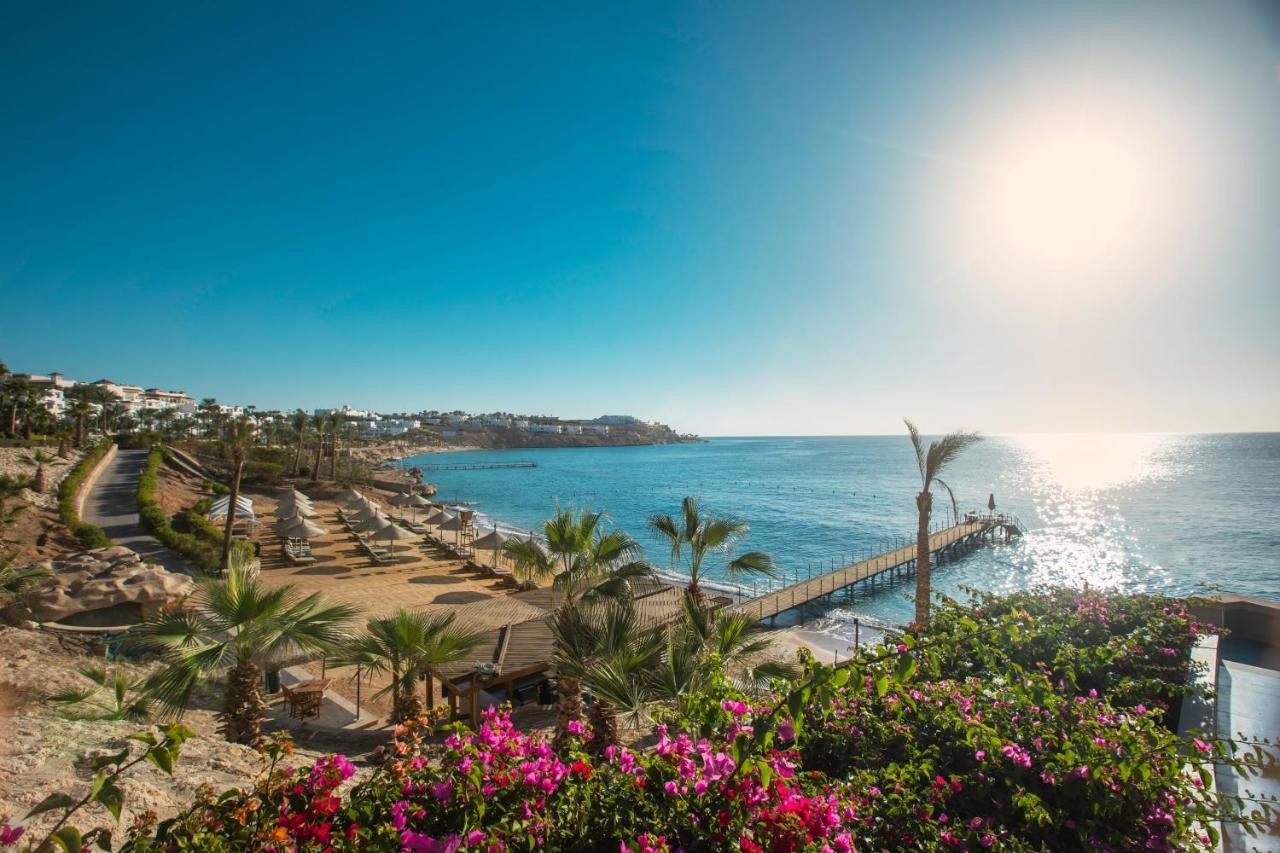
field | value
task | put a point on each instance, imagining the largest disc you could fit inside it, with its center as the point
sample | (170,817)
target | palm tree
(703,533)
(931,463)
(318,423)
(38,459)
(408,646)
(126,698)
(585,564)
(16,580)
(336,421)
(298,420)
(80,410)
(606,648)
(239,433)
(238,625)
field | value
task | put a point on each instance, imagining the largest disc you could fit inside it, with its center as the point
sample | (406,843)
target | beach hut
(393,533)
(494,539)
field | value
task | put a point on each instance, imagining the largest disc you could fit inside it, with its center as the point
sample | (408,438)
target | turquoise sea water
(1172,513)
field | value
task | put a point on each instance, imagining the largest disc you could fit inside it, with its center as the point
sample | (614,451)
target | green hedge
(262,473)
(88,535)
(203,545)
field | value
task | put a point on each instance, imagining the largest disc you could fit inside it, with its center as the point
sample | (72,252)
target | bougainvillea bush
(1026,722)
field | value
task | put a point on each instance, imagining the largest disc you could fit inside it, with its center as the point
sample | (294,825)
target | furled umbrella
(393,533)
(494,539)
(991,503)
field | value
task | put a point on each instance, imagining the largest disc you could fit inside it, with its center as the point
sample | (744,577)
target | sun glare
(1067,192)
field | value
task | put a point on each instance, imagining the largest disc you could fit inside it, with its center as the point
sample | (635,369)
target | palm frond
(919,447)
(666,527)
(752,563)
(944,451)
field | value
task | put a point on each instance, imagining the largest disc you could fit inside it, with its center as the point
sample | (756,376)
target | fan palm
(238,625)
(407,646)
(931,463)
(125,697)
(607,649)
(239,433)
(38,459)
(16,580)
(701,533)
(584,563)
(298,420)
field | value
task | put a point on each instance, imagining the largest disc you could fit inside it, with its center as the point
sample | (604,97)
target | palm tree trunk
(315,470)
(13,418)
(333,460)
(80,430)
(244,710)
(297,456)
(231,509)
(569,706)
(604,725)
(38,482)
(924,504)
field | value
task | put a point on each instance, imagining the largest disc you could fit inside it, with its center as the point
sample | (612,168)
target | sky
(736,218)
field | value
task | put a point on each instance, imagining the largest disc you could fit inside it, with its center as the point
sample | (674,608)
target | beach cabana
(243,512)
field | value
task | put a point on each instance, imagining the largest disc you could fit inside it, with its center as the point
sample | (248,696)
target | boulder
(99,579)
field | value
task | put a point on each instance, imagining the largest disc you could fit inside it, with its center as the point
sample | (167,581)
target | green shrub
(88,535)
(262,473)
(203,544)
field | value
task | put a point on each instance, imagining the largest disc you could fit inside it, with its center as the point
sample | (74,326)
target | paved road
(112,504)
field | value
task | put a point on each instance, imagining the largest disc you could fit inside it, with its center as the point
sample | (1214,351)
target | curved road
(112,504)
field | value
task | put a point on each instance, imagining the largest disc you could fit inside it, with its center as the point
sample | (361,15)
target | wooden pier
(476,466)
(890,564)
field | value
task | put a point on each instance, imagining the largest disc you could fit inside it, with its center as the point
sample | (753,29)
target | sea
(1170,513)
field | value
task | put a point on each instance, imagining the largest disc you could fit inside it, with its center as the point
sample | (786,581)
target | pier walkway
(889,564)
(474,466)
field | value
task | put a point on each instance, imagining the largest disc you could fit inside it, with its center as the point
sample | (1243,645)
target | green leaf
(840,678)
(906,668)
(882,685)
(112,798)
(51,802)
(69,839)
(162,758)
(145,737)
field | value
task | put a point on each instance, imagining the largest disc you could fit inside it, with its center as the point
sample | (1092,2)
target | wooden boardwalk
(898,560)
(475,466)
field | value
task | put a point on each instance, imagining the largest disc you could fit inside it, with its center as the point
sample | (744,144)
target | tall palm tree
(318,423)
(931,463)
(584,563)
(15,391)
(336,421)
(239,434)
(702,533)
(407,646)
(237,625)
(298,420)
(38,459)
(80,410)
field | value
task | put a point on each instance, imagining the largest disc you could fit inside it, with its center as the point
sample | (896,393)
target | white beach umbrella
(393,533)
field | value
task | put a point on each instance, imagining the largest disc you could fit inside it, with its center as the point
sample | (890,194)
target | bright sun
(1065,197)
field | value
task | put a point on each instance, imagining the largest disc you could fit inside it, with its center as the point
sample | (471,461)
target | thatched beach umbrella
(415,502)
(372,524)
(284,509)
(349,495)
(393,533)
(298,496)
(456,525)
(494,539)
(364,513)
(297,527)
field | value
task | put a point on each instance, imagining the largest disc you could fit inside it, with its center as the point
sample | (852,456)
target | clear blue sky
(733,217)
